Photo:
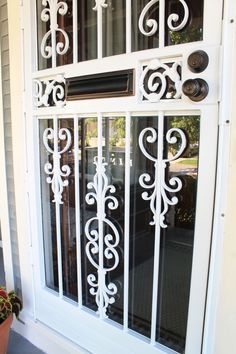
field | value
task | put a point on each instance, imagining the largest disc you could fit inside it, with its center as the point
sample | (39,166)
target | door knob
(195,89)
(198,61)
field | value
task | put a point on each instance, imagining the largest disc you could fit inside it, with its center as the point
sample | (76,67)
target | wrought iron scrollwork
(50,13)
(57,174)
(100,243)
(153,24)
(155,90)
(159,190)
(50,88)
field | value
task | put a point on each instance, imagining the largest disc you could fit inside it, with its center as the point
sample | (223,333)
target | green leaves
(9,303)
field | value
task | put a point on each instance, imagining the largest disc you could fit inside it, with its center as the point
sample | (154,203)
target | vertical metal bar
(77,208)
(128,26)
(54,53)
(127,220)
(99,30)
(75,32)
(100,213)
(56,162)
(158,178)
(161,23)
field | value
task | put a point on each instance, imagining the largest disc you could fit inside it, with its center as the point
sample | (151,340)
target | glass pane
(45,35)
(141,41)
(87,31)
(66,208)
(142,236)
(192,31)
(87,156)
(114,156)
(48,213)
(114,28)
(113,144)
(177,240)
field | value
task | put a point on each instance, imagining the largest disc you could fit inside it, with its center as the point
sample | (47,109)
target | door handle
(195,89)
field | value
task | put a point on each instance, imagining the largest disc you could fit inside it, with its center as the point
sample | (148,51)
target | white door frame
(227,103)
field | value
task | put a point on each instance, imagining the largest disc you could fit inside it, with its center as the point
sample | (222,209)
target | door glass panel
(145,40)
(59,223)
(114,156)
(51,42)
(177,240)
(113,160)
(192,31)
(87,31)
(176,234)
(88,145)
(182,23)
(114,28)
(142,236)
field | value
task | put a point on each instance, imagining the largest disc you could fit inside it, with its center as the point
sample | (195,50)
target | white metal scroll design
(157,89)
(175,18)
(100,243)
(55,87)
(153,24)
(51,13)
(101,3)
(57,174)
(159,188)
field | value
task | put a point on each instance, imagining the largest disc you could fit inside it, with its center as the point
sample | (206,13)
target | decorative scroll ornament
(102,243)
(51,13)
(157,90)
(101,3)
(153,24)
(160,189)
(56,173)
(175,18)
(55,87)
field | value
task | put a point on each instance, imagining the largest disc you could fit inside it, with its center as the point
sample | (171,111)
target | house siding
(5,68)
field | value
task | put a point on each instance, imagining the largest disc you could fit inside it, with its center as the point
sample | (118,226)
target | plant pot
(4,334)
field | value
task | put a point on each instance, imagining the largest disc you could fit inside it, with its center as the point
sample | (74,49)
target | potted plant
(9,304)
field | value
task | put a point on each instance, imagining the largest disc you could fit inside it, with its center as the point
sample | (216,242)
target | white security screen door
(124,117)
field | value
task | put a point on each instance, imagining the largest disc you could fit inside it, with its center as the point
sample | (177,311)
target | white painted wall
(9,228)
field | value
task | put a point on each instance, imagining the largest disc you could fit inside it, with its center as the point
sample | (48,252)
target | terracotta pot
(4,334)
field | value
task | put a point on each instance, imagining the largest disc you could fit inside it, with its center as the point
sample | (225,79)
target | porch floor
(17,344)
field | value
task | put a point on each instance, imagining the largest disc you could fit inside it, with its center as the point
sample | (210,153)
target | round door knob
(198,61)
(195,89)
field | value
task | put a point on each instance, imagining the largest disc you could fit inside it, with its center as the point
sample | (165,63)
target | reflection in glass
(67,215)
(114,25)
(193,30)
(87,31)
(113,153)
(142,235)
(65,22)
(88,143)
(140,41)
(177,240)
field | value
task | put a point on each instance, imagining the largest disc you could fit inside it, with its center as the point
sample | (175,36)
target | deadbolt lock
(198,61)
